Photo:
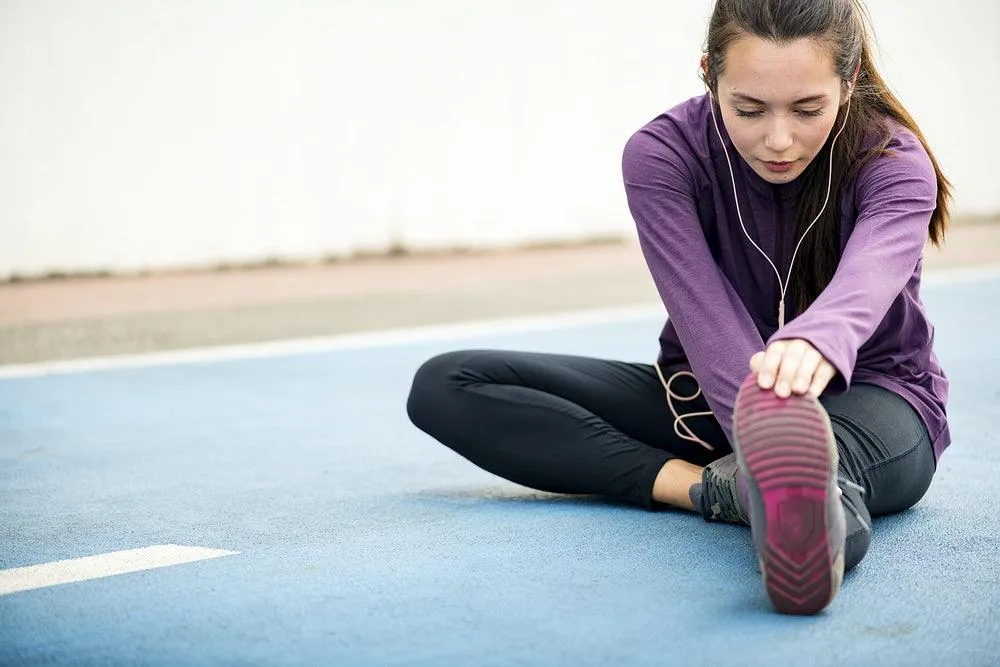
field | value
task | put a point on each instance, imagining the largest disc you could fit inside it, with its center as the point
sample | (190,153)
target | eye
(812,113)
(742,113)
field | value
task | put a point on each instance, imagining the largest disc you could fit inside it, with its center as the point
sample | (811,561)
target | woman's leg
(884,448)
(811,474)
(564,424)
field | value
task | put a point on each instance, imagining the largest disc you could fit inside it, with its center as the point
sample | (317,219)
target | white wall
(140,134)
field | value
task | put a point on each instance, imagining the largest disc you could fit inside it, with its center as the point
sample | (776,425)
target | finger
(756,360)
(791,361)
(821,378)
(807,370)
(770,364)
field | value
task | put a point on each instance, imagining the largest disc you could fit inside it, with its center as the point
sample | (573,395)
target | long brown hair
(843,25)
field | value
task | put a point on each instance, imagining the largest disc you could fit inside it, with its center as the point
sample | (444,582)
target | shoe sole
(786,447)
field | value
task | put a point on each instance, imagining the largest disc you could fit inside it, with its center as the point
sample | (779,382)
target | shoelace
(691,437)
(841,482)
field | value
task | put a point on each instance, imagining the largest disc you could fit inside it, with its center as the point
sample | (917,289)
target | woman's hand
(792,367)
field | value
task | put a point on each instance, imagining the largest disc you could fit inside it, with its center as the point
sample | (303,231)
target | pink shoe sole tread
(787,447)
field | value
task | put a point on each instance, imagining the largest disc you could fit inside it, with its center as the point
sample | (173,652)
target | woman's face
(779,103)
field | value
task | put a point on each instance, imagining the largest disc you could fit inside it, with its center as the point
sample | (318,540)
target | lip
(778,167)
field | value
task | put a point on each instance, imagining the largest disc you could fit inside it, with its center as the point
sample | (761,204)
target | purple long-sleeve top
(722,296)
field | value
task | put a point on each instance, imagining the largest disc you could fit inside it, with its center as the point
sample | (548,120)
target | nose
(779,135)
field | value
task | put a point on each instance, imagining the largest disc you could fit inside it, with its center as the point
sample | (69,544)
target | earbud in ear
(854,77)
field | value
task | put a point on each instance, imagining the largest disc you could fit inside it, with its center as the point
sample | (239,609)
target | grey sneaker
(724,492)
(788,455)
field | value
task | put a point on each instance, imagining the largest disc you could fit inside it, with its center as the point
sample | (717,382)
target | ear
(852,82)
(848,91)
(704,69)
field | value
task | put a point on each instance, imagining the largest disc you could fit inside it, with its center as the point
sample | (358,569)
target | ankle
(673,484)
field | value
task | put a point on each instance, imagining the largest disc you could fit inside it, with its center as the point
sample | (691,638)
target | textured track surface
(362,542)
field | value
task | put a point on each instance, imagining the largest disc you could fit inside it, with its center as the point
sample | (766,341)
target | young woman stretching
(783,217)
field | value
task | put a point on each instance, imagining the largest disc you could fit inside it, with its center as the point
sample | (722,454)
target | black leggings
(578,425)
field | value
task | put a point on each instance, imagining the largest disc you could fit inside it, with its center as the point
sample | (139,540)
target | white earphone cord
(782,285)
(678,418)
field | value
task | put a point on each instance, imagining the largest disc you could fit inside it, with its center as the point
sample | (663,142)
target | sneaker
(787,453)
(724,494)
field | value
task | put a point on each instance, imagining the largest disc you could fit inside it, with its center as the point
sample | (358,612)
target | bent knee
(430,384)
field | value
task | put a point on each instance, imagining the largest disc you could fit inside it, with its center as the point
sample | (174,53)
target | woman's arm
(897,194)
(713,325)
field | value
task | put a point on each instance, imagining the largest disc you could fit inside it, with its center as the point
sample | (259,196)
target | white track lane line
(408,336)
(18,579)
(387,338)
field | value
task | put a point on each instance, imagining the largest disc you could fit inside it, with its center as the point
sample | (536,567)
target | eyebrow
(804,100)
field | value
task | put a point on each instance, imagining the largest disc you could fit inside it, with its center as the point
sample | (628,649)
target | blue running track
(362,542)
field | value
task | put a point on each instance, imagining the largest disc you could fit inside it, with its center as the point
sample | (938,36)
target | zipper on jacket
(779,248)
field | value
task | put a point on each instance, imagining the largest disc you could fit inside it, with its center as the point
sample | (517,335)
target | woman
(782,216)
